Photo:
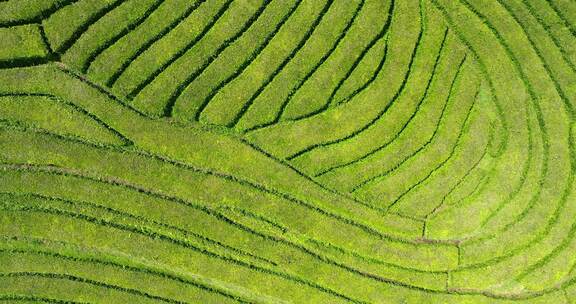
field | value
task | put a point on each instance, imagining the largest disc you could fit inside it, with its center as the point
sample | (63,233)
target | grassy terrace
(287,151)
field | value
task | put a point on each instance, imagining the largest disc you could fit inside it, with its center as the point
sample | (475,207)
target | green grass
(302,151)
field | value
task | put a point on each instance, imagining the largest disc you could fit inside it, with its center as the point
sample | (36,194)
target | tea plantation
(288,151)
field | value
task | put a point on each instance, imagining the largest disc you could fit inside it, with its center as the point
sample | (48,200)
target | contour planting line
(78,279)
(384,145)
(143,48)
(43,15)
(320,62)
(169,106)
(440,118)
(140,86)
(277,71)
(93,19)
(112,40)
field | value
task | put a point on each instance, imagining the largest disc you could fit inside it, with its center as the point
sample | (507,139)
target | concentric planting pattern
(287,151)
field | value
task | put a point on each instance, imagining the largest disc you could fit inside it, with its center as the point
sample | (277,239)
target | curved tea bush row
(268,151)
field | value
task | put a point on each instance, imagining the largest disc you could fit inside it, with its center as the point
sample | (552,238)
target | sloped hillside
(287,151)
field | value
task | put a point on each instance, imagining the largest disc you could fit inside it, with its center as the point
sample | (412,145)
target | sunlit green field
(287,151)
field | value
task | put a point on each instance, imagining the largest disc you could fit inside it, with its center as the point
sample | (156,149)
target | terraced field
(287,151)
